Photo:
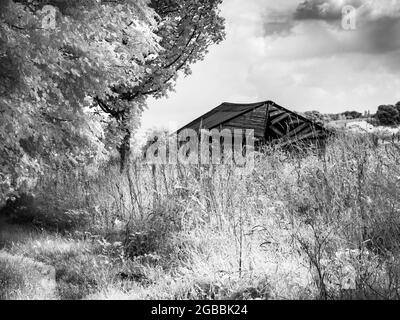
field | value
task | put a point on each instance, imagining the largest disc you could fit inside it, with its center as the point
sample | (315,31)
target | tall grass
(304,224)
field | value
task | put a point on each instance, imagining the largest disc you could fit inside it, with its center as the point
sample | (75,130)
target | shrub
(388,115)
(27,210)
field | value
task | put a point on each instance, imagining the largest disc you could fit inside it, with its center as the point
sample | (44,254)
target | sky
(295,53)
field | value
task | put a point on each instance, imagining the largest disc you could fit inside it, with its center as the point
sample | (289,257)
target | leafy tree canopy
(388,115)
(352,114)
(186,29)
(74,74)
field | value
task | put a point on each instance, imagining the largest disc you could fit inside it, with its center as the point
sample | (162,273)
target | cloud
(317,10)
(379,35)
(282,27)
(377,25)
(328,10)
(302,63)
(277,23)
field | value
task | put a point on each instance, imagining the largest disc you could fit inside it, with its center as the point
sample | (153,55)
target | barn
(271,122)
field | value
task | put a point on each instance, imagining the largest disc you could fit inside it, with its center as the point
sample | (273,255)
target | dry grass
(23,278)
(302,225)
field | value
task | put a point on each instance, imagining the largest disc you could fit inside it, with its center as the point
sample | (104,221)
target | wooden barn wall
(286,126)
(280,126)
(254,119)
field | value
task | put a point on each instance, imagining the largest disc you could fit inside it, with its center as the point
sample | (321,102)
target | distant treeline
(387,115)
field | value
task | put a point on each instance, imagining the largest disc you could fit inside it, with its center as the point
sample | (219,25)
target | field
(302,225)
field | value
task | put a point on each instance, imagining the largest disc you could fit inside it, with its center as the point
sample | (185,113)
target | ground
(299,225)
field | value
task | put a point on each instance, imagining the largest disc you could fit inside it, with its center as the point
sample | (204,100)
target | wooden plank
(280,118)
(304,133)
(266,120)
(296,121)
(250,120)
(230,113)
(276,113)
(257,131)
(247,120)
(297,130)
(246,124)
(277,131)
(306,130)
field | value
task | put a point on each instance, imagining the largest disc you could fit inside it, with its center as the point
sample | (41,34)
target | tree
(186,29)
(387,115)
(55,56)
(398,109)
(352,114)
(317,117)
(74,76)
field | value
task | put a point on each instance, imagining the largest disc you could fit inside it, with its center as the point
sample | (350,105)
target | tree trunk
(125,150)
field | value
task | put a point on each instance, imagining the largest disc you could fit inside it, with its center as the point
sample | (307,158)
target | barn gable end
(271,122)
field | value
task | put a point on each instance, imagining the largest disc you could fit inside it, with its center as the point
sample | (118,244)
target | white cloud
(315,66)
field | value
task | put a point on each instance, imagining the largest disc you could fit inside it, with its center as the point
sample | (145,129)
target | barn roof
(229,111)
(223,113)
